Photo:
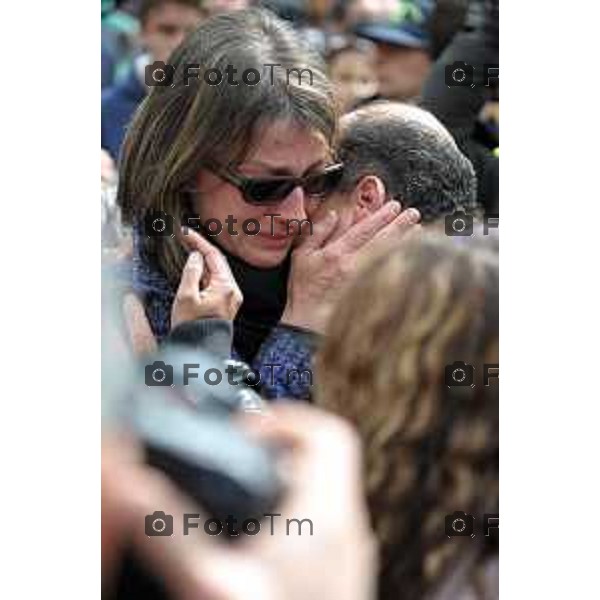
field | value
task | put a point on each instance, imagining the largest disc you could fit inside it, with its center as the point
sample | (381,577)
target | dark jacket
(119,102)
(458,108)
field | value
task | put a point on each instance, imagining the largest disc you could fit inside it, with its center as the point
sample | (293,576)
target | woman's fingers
(407,220)
(364,231)
(141,338)
(216,263)
(208,287)
(191,275)
(322,231)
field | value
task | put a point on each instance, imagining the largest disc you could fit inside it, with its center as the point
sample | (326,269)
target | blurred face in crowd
(217,6)
(401,71)
(371,10)
(353,75)
(281,149)
(166,26)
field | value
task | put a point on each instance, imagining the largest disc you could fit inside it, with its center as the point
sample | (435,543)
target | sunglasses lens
(323,183)
(268,191)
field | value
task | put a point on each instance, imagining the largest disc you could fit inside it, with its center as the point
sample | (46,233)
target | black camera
(459,374)
(189,433)
(158,374)
(459,74)
(159,74)
(158,524)
(459,223)
(158,224)
(459,524)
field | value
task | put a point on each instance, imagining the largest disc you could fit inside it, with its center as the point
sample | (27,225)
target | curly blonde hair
(430,449)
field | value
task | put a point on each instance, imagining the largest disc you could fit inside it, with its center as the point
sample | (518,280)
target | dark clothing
(119,102)
(458,108)
(108,64)
(265,295)
(210,335)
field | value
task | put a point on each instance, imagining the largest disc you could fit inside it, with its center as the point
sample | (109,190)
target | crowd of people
(332,226)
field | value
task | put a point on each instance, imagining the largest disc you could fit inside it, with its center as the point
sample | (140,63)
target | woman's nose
(294,206)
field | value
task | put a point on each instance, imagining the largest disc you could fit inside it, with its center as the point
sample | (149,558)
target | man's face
(166,26)
(401,71)
(343,203)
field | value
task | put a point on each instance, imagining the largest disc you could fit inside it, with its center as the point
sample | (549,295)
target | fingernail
(195,257)
(395,207)
(414,214)
(332,214)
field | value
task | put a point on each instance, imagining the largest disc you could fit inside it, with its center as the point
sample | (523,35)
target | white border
(50,329)
(550,167)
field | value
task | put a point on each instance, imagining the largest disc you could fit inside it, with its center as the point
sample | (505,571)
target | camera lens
(459,375)
(459,75)
(459,525)
(159,525)
(159,375)
(159,225)
(462,225)
(159,75)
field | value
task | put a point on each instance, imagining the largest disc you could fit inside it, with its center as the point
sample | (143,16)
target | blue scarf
(264,291)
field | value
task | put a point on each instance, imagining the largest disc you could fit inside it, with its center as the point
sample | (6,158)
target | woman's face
(282,148)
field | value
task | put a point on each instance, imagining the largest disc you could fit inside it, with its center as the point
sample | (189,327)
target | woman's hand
(206,268)
(321,266)
(220,296)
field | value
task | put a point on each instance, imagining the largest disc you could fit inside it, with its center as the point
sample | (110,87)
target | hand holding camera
(327,488)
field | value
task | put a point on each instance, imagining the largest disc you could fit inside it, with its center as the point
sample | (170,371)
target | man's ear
(369,195)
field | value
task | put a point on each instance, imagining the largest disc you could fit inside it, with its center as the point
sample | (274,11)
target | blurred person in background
(120,38)
(351,64)
(214,7)
(163,26)
(115,237)
(430,445)
(367,11)
(403,48)
(470,111)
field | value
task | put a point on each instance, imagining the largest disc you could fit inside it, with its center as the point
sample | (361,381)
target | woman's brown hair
(183,127)
(430,449)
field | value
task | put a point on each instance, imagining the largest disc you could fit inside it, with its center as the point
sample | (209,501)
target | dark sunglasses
(265,191)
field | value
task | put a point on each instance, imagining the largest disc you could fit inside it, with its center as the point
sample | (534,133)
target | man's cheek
(312,206)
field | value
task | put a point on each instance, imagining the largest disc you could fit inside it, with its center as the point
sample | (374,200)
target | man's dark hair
(412,153)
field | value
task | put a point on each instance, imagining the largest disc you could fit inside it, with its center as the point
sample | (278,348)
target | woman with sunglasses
(241,151)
